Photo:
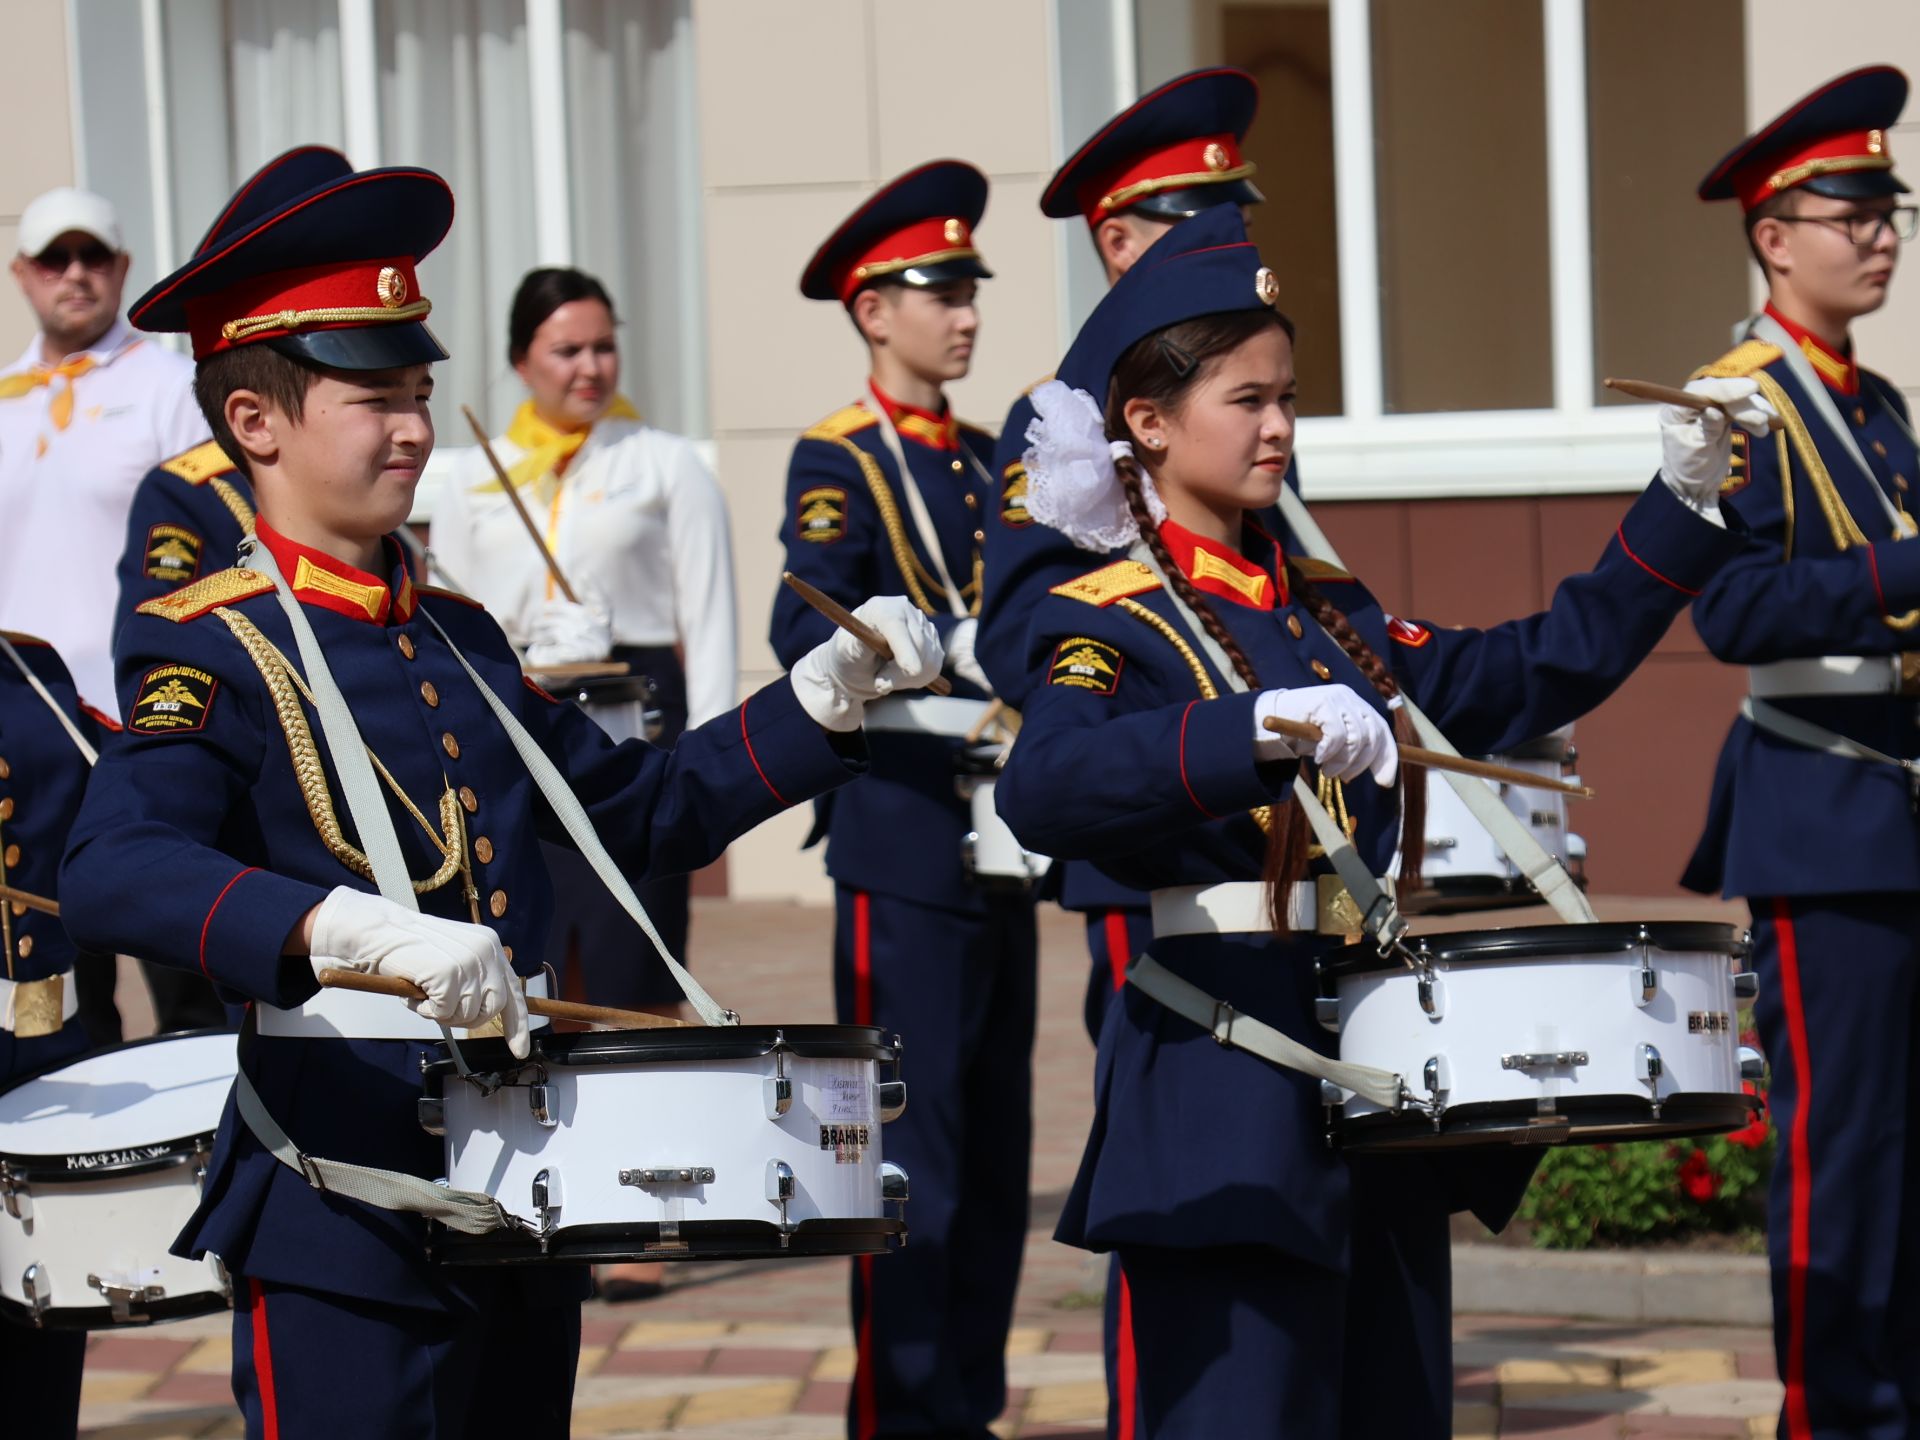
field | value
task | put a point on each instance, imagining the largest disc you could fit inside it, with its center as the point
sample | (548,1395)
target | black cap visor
(1189,200)
(1856,185)
(363,347)
(924,277)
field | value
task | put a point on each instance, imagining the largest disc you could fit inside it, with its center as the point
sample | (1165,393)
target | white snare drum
(993,857)
(1463,867)
(101,1163)
(694,1143)
(1571,1033)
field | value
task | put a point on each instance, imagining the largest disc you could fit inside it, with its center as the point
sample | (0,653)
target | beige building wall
(826,101)
(34,76)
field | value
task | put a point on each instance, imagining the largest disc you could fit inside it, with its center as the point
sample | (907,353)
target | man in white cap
(88,409)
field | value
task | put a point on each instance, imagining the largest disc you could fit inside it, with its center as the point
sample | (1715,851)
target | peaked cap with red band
(325,273)
(1832,142)
(916,229)
(1173,153)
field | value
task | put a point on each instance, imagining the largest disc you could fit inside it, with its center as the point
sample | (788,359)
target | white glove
(460,966)
(960,658)
(1354,737)
(836,678)
(565,633)
(1696,446)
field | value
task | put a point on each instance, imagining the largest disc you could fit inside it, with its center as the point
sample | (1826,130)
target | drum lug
(1746,984)
(1326,1010)
(1331,1095)
(1433,995)
(1753,1065)
(431,1111)
(121,1299)
(1437,1075)
(545,1194)
(1646,984)
(15,1194)
(893,1182)
(890,1099)
(777,1087)
(1651,1068)
(540,1102)
(970,850)
(38,1290)
(219,1269)
(780,1191)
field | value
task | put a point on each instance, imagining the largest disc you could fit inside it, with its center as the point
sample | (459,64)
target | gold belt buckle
(1336,911)
(37,1007)
(1909,672)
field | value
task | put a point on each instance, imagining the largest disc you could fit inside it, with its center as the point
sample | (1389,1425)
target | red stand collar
(319,579)
(1839,371)
(1216,569)
(935,431)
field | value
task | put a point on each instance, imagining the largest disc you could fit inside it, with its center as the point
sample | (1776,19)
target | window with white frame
(1478,210)
(565,127)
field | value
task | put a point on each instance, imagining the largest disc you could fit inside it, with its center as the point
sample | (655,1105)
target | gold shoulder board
(1745,358)
(1110,583)
(199,464)
(842,422)
(223,587)
(1312,569)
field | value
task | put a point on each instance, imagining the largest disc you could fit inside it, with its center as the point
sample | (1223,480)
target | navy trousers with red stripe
(931,1320)
(1839,1015)
(308,1366)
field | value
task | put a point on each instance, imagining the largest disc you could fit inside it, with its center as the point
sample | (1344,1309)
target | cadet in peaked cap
(201,846)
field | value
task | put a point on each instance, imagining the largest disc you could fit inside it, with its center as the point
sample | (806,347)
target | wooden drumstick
(1436,760)
(854,626)
(519,505)
(32,902)
(1668,395)
(603,1015)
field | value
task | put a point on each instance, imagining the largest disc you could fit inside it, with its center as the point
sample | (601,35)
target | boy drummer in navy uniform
(46,736)
(891,491)
(1812,815)
(201,846)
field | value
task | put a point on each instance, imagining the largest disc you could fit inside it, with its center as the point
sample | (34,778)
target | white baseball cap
(55,213)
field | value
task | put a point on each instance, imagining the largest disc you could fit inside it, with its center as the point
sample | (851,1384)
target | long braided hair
(1164,367)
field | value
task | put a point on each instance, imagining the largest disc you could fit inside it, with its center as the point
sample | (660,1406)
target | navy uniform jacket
(42,777)
(188,518)
(199,847)
(1823,575)
(847,530)
(1023,560)
(1134,753)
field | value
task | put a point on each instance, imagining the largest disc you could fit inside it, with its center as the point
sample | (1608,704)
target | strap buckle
(310,1171)
(1222,1028)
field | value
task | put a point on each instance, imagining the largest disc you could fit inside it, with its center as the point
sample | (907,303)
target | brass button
(507,950)
(19,909)
(958,467)
(1322,671)
(497,903)
(1880,449)
(26,946)
(450,745)
(1293,627)
(429,694)
(973,503)
(6,808)
(469,800)
(1900,482)
(979,535)
(13,856)
(1859,415)
(406,646)
(483,850)
(6,770)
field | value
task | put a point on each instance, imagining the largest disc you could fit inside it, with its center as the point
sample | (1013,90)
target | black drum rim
(713,1240)
(691,1044)
(1584,1120)
(1540,942)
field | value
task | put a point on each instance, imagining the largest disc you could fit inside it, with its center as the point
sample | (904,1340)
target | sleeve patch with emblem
(1013,497)
(1407,633)
(172,698)
(821,516)
(1086,665)
(173,554)
(1738,472)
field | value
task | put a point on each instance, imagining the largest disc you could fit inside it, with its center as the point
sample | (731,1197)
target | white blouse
(637,525)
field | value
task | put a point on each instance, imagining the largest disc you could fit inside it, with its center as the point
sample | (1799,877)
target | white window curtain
(636,194)
(454,98)
(283,86)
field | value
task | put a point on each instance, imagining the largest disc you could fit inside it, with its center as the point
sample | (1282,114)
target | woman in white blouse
(639,528)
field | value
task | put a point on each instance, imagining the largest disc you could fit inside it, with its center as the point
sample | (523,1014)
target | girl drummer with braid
(1259,1260)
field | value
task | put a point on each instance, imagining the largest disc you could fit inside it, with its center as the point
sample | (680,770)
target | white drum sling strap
(40,689)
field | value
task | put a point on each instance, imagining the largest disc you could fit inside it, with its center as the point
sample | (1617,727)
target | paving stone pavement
(761,1351)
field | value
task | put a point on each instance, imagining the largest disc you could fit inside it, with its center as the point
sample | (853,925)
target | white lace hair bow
(1072,484)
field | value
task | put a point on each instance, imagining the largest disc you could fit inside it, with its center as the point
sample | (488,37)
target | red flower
(1697,1177)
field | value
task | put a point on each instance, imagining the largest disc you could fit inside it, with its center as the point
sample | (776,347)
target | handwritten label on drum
(1709,1022)
(845,1098)
(847,1142)
(115,1159)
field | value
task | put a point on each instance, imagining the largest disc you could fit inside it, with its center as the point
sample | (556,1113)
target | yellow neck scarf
(545,450)
(60,410)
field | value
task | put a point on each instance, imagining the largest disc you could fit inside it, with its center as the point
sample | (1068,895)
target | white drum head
(143,1093)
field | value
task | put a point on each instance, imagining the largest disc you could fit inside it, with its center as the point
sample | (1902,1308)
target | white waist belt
(950,716)
(30,1008)
(1236,907)
(356,1015)
(1827,675)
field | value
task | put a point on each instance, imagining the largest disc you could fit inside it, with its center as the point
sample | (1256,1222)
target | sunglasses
(58,259)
